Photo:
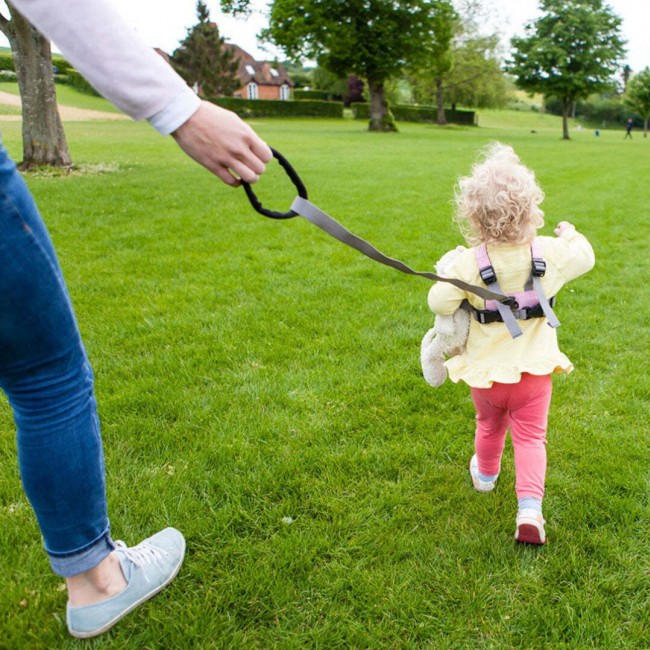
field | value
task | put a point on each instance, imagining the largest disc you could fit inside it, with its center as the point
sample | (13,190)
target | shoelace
(142,554)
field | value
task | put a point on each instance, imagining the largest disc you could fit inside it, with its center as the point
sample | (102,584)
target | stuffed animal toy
(448,335)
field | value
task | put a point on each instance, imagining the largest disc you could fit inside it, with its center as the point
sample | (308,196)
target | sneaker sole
(128,610)
(529,534)
(479,485)
(481,489)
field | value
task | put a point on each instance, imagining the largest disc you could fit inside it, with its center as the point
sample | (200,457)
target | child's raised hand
(562,226)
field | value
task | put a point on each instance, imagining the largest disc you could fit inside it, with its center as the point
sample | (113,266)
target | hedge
(7,63)
(279,108)
(403,113)
(315,94)
(78,82)
(62,65)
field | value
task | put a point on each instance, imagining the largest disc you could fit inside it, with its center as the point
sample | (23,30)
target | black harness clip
(539,267)
(488,275)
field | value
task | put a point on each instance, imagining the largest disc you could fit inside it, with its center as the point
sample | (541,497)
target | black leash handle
(295,179)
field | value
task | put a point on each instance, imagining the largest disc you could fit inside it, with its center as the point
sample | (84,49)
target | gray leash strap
(322,220)
(506,313)
(301,206)
(545,304)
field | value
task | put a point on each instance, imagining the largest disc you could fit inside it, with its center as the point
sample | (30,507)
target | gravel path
(67,113)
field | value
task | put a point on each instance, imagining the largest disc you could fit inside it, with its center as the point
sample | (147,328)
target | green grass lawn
(259,388)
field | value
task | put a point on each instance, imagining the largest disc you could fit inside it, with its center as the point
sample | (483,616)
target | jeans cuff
(67,566)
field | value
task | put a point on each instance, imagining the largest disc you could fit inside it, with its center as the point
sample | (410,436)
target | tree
(638,96)
(44,141)
(373,39)
(437,52)
(203,61)
(301,75)
(476,78)
(330,83)
(626,73)
(571,51)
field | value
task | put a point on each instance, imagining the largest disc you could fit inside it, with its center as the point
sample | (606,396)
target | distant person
(44,370)
(510,375)
(628,129)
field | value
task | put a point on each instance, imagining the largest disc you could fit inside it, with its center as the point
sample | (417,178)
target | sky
(165,24)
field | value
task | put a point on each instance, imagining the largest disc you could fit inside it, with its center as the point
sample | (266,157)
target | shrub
(78,82)
(7,61)
(8,75)
(62,65)
(404,113)
(596,111)
(279,108)
(314,94)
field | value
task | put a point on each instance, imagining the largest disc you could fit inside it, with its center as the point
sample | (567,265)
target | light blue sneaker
(479,484)
(148,567)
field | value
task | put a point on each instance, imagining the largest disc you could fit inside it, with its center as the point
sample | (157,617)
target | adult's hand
(224,144)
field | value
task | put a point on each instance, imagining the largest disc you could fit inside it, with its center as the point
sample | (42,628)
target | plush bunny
(448,335)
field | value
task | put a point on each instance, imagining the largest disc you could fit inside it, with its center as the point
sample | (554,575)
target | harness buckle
(539,267)
(488,275)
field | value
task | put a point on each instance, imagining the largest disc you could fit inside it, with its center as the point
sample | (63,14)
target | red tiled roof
(263,73)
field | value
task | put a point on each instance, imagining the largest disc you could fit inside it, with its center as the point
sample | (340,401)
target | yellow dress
(491,354)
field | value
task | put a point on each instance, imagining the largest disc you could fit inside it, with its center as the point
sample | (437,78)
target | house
(260,79)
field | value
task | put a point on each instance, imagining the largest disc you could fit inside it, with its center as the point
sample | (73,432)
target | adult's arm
(132,76)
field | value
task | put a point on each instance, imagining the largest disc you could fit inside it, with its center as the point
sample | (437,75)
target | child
(510,374)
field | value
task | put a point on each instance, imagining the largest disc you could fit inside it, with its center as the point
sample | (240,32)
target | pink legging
(524,408)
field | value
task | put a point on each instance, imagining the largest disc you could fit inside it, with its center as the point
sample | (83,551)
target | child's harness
(530,303)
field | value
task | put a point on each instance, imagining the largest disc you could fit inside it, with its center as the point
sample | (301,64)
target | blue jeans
(48,381)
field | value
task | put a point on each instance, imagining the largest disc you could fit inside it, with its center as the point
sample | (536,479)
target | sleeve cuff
(176,113)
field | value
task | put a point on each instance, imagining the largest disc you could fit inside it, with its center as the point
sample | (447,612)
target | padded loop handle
(295,179)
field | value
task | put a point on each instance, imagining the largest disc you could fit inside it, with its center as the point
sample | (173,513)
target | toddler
(508,362)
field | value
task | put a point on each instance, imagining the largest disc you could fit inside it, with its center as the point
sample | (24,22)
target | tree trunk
(381,118)
(44,141)
(566,105)
(440,102)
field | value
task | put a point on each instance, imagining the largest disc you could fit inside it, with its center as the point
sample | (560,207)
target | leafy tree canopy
(476,78)
(638,93)
(571,51)
(373,39)
(638,96)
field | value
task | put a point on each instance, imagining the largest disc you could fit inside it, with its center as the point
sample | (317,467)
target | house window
(252,91)
(250,69)
(285,91)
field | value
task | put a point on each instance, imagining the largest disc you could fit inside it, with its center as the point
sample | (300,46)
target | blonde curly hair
(499,201)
